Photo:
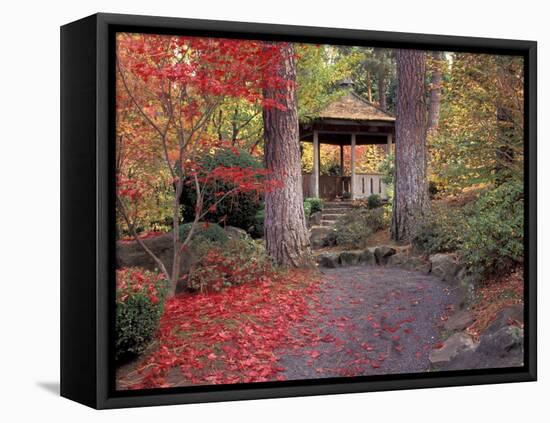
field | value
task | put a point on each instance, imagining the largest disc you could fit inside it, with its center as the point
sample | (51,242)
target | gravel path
(372,320)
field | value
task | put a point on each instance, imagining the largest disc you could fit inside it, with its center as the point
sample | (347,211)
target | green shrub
(493,235)
(307,209)
(374,201)
(354,229)
(258,229)
(487,233)
(315,204)
(237,210)
(440,230)
(139,305)
(211,232)
(238,262)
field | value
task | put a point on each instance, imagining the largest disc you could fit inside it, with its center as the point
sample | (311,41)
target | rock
(397,260)
(507,342)
(235,233)
(467,282)
(329,260)
(322,236)
(459,321)
(367,258)
(315,218)
(383,253)
(500,345)
(454,345)
(350,258)
(505,317)
(131,254)
(445,266)
(408,262)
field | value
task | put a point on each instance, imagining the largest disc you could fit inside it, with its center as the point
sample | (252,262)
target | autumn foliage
(168,89)
(230,336)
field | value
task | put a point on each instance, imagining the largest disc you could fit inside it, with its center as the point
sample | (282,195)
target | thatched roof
(354,107)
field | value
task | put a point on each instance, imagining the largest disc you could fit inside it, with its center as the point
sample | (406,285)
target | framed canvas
(259,211)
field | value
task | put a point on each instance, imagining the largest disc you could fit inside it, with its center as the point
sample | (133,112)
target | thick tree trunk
(435,91)
(411,185)
(286,234)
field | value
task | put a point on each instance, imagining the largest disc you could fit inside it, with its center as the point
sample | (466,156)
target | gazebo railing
(366,184)
(331,187)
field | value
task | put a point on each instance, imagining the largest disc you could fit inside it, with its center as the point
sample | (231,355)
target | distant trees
(480,135)
(411,182)
(437,63)
(286,234)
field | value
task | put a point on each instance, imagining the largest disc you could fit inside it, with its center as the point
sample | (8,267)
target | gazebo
(350,120)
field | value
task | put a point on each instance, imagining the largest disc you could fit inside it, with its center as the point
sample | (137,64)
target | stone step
(327,222)
(337,204)
(333,216)
(336,209)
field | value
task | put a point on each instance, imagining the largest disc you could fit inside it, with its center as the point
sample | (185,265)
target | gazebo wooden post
(390,139)
(315,170)
(353,166)
(341,159)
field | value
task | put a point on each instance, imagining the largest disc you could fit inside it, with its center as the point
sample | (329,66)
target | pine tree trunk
(286,234)
(435,92)
(411,184)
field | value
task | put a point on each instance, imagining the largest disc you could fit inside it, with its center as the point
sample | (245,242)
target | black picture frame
(87,209)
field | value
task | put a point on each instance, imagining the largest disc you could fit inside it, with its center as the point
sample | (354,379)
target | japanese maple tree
(168,91)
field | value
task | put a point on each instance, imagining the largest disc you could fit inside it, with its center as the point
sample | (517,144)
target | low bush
(440,230)
(140,299)
(374,201)
(315,204)
(493,232)
(307,209)
(204,231)
(486,233)
(238,262)
(354,229)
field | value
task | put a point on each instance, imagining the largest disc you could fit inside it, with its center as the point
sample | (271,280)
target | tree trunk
(286,234)
(382,89)
(411,185)
(435,92)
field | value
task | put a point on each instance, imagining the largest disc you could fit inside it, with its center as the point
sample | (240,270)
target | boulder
(444,266)
(383,253)
(131,254)
(330,260)
(459,321)
(504,348)
(235,233)
(507,316)
(454,345)
(322,236)
(500,345)
(350,258)
(367,258)
(408,262)
(507,342)
(467,282)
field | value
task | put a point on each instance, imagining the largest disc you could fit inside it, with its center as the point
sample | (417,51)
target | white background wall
(29,212)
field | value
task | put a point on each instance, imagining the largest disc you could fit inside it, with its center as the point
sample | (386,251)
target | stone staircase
(321,234)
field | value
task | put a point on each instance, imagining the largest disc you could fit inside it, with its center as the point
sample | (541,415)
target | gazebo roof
(354,107)
(349,114)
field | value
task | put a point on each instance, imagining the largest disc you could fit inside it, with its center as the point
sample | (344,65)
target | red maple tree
(168,89)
